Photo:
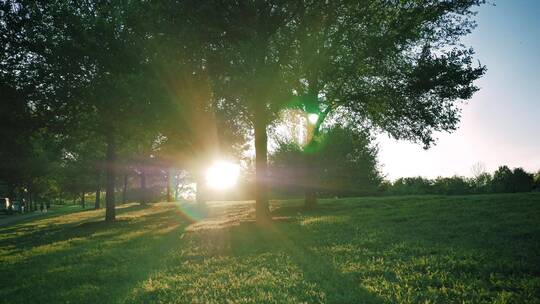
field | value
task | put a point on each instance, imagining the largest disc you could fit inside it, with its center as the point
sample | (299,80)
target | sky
(500,125)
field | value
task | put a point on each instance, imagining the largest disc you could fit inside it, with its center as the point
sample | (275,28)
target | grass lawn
(475,249)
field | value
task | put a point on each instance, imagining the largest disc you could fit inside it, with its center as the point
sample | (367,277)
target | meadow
(408,249)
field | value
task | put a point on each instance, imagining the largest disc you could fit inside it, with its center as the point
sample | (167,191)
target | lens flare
(222,175)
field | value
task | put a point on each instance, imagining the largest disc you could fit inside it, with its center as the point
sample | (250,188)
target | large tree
(252,65)
(393,66)
(396,67)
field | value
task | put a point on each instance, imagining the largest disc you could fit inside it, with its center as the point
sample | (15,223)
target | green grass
(471,249)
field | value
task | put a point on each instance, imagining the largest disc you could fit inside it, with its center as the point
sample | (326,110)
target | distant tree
(83,163)
(455,185)
(482,183)
(286,169)
(478,169)
(29,150)
(522,181)
(411,186)
(347,162)
(385,187)
(503,180)
(537,181)
(346,165)
(517,180)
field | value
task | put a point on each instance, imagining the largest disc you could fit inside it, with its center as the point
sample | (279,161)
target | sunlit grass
(477,249)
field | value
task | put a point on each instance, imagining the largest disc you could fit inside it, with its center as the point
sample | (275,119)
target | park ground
(416,249)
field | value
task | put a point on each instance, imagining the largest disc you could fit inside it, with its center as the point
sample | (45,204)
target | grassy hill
(428,249)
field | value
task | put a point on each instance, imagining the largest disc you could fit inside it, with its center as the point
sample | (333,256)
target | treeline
(503,180)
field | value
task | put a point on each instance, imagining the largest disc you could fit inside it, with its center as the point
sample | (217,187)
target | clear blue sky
(501,123)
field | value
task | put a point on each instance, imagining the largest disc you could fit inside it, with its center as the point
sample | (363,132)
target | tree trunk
(32,203)
(143,187)
(199,194)
(11,191)
(169,197)
(110,212)
(176,187)
(98,198)
(262,211)
(83,203)
(310,178)
(310,161)
(124,189)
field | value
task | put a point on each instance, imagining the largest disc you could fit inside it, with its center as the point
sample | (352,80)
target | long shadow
(11,226)
(283,237)
(109,260)
(52,215)
(40,236)
(289,238)
(101,269)
(485,233)
(334,256)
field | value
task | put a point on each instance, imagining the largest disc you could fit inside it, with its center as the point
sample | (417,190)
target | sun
(312,118)
(222,175)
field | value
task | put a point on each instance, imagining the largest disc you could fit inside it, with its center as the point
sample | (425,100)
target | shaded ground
(478,249)
(12,219)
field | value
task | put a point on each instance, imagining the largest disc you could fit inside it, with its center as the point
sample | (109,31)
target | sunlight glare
(312,118)
(222,175)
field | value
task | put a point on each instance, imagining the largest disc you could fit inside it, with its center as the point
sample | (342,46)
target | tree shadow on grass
(320,255)
(289,238)
(90,262)
(41,231)
(246,260)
